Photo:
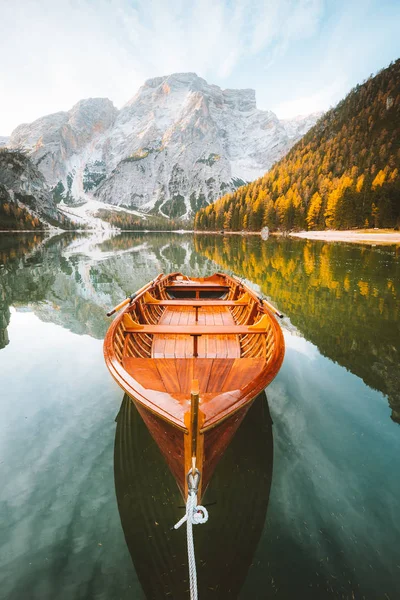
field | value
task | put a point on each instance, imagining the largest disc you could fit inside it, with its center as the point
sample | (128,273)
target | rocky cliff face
(62,144)
(177,145)
(26,200)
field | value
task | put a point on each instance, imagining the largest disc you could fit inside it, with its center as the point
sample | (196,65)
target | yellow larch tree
(313,211)
(379,179)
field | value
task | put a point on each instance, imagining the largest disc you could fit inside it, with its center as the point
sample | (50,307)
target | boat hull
(174,444)
(193,354)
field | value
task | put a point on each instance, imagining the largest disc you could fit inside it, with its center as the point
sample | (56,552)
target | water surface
(332,520)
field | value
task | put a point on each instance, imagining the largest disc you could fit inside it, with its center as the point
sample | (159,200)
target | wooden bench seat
(196,303)
(197,329)
(222,289)
(171,339)
(197,286)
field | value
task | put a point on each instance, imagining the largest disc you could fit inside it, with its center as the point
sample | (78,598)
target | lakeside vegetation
(13,216)
(129,222)
(344,173)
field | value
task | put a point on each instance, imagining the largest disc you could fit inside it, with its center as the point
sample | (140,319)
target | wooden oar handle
(121,305)
(274,310)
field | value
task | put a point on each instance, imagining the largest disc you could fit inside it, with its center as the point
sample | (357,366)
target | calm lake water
(306,503)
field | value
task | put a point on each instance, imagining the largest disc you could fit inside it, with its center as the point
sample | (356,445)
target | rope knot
(195,514)
(200,515)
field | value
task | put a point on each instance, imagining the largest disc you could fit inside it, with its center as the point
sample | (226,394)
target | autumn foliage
(343,173)
(15,216)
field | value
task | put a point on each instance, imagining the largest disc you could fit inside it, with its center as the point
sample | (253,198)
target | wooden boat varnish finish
(193,353)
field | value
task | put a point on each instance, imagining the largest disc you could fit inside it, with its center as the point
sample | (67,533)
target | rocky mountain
(26,201)
(178,144)
(3,140)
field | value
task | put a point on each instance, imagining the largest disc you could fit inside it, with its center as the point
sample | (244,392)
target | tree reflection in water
(345,299)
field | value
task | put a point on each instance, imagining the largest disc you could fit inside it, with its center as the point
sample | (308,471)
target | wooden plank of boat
(193,367)
(198,303)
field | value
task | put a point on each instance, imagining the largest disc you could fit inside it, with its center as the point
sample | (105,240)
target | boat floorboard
(209,346)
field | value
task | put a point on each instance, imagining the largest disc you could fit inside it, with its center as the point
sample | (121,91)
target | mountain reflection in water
(149,504)
(73,279)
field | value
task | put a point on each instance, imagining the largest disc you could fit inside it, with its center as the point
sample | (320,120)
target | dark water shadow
(149,504)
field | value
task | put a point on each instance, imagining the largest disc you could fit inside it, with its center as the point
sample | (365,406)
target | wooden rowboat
(193,354)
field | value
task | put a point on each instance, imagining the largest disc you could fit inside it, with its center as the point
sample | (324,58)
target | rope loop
(200,515)
(195,514)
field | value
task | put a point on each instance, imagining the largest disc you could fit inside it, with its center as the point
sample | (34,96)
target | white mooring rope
(195,515)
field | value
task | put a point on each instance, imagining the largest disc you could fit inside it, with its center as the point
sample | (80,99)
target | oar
(129,299)
(274,310)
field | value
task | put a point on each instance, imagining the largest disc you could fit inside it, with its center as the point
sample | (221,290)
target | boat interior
(213,330)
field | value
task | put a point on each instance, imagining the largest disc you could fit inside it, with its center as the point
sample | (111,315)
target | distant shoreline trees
(130,222)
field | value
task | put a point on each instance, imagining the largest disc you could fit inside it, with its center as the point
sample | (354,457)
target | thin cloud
(281,23)
(314,102)
(60,52)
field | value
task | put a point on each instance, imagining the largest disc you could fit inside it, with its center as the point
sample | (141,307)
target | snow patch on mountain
(85,213)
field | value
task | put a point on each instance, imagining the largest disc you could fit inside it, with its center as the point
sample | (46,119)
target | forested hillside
(343,173)
(130,222)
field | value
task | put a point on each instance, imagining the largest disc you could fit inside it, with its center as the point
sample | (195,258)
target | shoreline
(360,236)
(377,236)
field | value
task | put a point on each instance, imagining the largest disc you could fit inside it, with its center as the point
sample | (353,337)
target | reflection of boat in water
(150,503)
(193,354)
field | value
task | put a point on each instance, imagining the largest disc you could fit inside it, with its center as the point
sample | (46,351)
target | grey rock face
(177,145)
(56,142)
(21,182)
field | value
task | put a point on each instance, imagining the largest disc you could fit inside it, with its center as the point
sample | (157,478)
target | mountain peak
(91,113)
(239,99)
(177,145)
(98,103)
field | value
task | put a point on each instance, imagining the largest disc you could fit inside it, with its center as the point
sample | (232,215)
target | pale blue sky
(299,56)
